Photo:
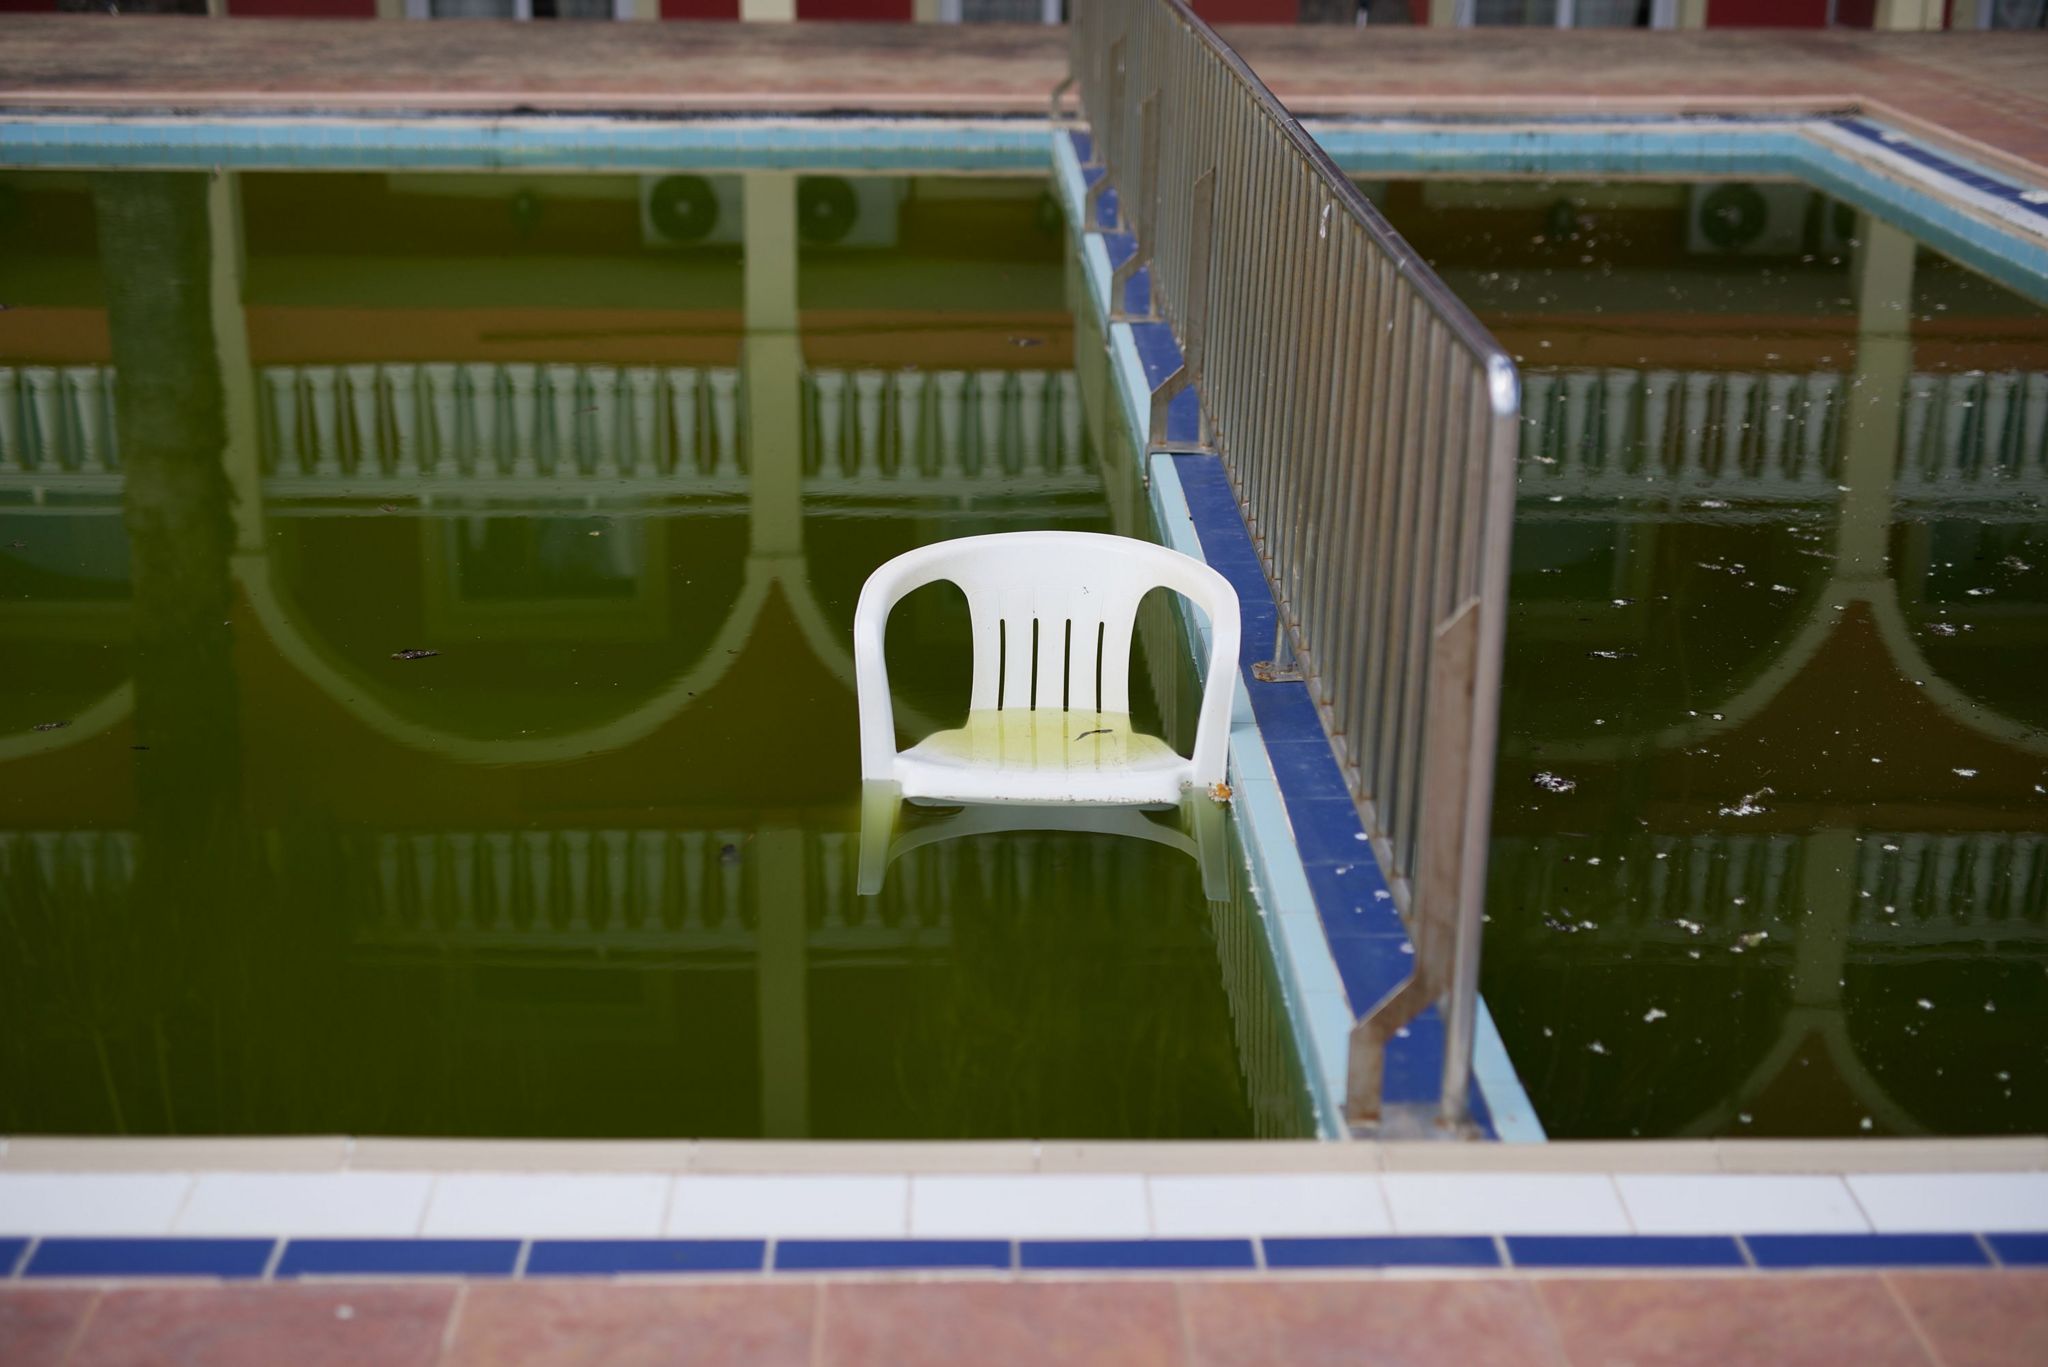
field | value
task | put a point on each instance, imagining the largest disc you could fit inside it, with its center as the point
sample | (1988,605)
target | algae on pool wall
(487,628)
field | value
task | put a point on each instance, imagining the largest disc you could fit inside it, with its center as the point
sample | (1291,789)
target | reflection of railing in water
(1774,436)
(485,424)
(1911,893)
(866,426)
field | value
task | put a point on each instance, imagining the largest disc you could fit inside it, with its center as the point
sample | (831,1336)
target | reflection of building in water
(421,835)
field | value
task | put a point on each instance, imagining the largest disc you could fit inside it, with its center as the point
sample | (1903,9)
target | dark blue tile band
(1865,1250)
(10,1255)
(1934,161)
(399,1257)
(1390,1250)
(2019,1250)
(1106,1255)
(234,1258)
(1624,1250)
(891,1255)
(613,1257)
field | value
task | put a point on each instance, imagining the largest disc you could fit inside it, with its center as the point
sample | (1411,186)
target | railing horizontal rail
(1369,425)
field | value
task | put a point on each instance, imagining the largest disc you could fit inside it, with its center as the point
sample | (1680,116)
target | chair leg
(880,802)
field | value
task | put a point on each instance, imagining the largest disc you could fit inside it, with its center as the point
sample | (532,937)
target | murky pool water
(427,707)
(1771,838)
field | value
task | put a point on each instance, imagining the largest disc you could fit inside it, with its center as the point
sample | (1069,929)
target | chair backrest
(1052,615)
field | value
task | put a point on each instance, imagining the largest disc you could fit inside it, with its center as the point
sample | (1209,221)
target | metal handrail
(1369,426)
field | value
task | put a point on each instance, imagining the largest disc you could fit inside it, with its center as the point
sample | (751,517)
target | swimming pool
(429,702)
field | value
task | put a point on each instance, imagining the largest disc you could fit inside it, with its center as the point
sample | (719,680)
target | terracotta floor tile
(304,1326)
(36,1326)
(562,1323)
(1001,1324)
(1980,1319)
(1783,1321)
(1368,1324)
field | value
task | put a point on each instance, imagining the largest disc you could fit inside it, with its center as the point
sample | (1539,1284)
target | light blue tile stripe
(455,143)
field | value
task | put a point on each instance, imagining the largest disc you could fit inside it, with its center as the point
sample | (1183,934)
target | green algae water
(1771,832)
(427,705)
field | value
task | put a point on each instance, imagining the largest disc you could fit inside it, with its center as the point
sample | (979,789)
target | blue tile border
(250,1259)
(399,1258)
(1383,1250)
(1790,1251)
(2019,1250)
(236,1259)
(613,1257)
(1624,1250)
(893,1255)
(1134,1255)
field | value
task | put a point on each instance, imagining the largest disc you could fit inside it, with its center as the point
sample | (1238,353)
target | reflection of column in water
(2000,386)
(1918,448)
(564,421)
(1617,430)
(725,385)
(831,882)
(92,448)
(522,379)
(498,853)
(284,417)
(1821,389)
(1578,414)
(614,869)
(731,881)
(1031,419)
(440,438)
(460,882)
(326,419)
(692,887)
(1069,402)
(1957,455)
(404,393)
(362,404)
(831,390)
(604,397)
(1777,421)
(909,414)
(1536,396)
(682,403)
(650,855)
(12,449)
(576,846)
(1657,387)
(1735,393)
(641,382)
(867,417)
(1692,440)
(952,386)
(990,449)
(479,449)
(2033,454)
(42,389)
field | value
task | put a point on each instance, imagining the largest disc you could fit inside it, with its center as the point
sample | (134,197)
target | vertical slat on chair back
(1050,643)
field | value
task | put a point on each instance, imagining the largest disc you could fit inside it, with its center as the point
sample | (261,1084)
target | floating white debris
(1783,588)
(1867,1123)
(1690,927)
(1924,1004)
(1753,939)
(1749,806)
(1653,1014)
(1990,1006)
(1597,1047)
(1943,629)
(1554,783)
(1745,1117)
(1964,773)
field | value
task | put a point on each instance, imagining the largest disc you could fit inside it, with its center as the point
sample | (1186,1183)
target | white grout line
(519,1263)
(270,1263)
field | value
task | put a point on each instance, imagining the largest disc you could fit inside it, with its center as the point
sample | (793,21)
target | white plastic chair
(1049,711)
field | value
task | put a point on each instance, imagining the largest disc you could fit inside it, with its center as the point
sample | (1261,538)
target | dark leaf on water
(51,725)
(414,654)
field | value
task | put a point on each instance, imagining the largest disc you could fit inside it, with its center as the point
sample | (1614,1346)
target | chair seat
(1024,755)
